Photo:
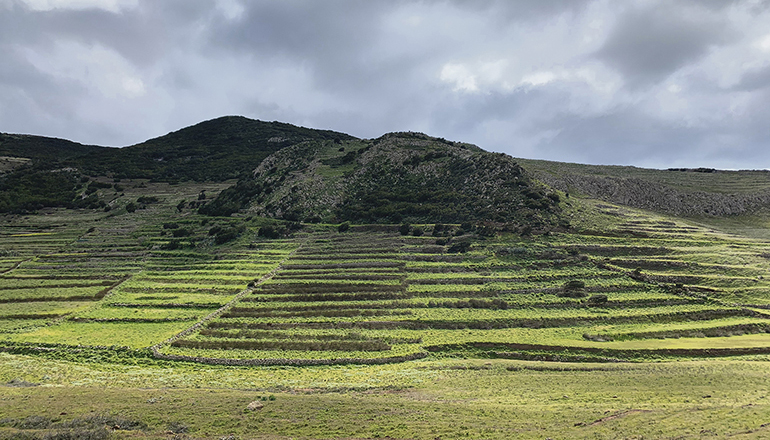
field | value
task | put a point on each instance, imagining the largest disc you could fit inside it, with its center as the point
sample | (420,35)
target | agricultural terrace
(164,282)
(122,317)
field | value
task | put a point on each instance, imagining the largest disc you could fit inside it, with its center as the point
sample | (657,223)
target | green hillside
(217,150)
(402,287)
(399,177)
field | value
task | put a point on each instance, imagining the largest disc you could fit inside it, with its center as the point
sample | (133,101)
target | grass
(373,294)
(419,400)
(134,335)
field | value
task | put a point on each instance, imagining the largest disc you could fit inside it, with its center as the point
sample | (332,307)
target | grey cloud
(358,72)
(524,9)
(335,45)
(30,95)
(648,45)
(629,136)
(754,80)
(623,137)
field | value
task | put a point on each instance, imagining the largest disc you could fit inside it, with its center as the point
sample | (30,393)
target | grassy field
(495,399)
(629,325)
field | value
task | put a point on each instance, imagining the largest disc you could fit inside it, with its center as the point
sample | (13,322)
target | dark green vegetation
(217,150)
(453,296)
(400,177)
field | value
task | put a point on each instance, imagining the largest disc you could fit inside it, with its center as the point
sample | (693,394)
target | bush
(439,229)
(597,299)
(460,247)
(269,231)
(417,232)
(228,233)
(182,232)
(172,245)
(343,227)
(405,229)
(146,200)
(574,285)
(178,428)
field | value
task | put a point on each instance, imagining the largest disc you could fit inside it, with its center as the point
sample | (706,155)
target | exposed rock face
(640,193)
(400,176)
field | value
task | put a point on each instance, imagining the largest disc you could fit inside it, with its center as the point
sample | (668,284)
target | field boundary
(215,314)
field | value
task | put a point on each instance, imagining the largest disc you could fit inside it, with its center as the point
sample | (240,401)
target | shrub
(405,228)
(459,247)
(146,200)
(228,234)
(269,231)
(182,232)
(172,245)
(178,428)
(417,232)
(343,227)
(574,285)
(597,299)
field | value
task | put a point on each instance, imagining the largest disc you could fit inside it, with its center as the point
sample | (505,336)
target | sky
(650,83)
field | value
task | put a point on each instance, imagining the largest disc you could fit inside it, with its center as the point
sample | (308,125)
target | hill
(224,148)
(137,313)
(689,192)
(42,149)
(399,177)
(48,172)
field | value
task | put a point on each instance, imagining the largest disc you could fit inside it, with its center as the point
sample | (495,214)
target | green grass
(134,335)
(383,288)
(420,400)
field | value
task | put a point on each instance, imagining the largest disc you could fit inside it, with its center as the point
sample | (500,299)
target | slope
(688,192)
(216,150)
(399,177)
(42,172)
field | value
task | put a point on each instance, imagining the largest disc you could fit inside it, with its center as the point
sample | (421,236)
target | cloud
(641,81)
(647,45)
(107,5)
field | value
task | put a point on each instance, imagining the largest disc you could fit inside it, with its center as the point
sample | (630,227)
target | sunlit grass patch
(134,335)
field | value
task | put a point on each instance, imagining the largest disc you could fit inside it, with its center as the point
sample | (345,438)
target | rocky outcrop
(645,194)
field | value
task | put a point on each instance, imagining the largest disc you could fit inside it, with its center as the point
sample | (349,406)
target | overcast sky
(654,83)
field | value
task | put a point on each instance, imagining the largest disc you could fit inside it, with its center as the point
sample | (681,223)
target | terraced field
(650,288)
(644,287)
(607,330)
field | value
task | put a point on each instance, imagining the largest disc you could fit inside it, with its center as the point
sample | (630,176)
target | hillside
(215,150)
(399,177)
(46,172)
(695,192)
(309,308)
(49,151)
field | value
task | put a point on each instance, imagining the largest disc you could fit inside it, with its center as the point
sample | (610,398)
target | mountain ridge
(37,172)
(398,177)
